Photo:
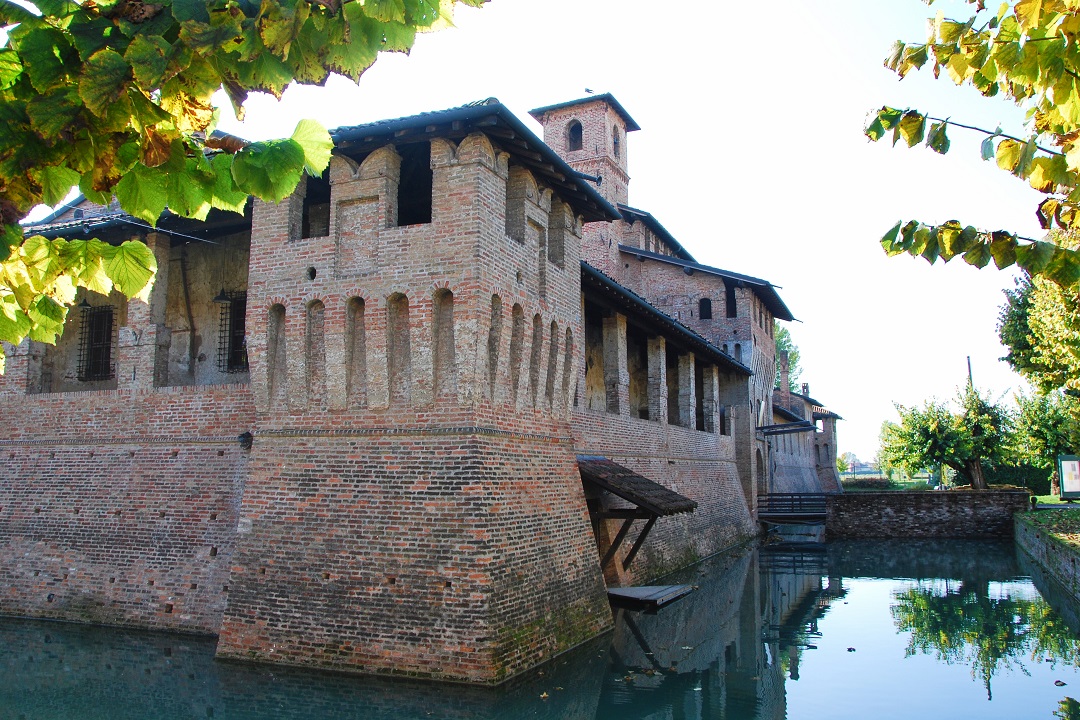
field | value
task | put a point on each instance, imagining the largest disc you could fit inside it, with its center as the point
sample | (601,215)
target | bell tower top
(590,134)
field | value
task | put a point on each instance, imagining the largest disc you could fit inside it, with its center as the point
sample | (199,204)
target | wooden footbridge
(792,508)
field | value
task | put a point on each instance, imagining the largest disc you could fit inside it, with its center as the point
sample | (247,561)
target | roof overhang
(608,98)
(765,290)
(637,307)
(650,496)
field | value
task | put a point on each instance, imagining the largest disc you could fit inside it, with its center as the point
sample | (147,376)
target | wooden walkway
(647,597)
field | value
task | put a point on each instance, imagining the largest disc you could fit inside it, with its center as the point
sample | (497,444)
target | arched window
(616,142)
(705,309)
(573,136)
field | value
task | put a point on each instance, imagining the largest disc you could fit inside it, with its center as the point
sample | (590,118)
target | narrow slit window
(415,185)
(232,343)
(729,292)
(95,344)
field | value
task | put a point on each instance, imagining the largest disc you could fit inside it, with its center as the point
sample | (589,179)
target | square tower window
(95,344)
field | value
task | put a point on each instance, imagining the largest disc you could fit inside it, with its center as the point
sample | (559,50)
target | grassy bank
(1063,524)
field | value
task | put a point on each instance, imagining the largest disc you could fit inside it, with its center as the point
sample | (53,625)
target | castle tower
(590,134)
(413,504)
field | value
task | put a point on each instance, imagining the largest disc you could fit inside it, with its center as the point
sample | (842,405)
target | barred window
(232,343)
(95,344)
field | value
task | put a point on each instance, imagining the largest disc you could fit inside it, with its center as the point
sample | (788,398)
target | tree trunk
(975,471)
(1055,484)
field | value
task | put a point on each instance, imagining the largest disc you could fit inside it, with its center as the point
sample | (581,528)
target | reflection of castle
(352,429)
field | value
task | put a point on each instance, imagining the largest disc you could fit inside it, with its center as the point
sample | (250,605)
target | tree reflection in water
(969,624)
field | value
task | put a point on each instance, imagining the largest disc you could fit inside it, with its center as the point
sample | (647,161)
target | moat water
(844,630)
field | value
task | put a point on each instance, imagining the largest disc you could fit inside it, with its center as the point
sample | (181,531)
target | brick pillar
(658,397)
(20,363)
(616,375)
(143,343)
(687,393)
(711,397)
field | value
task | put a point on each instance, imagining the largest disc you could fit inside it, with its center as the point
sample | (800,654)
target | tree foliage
(1026,51)
(1040,324)
(784,343)
(115,97)
(978,435)
(1046,427)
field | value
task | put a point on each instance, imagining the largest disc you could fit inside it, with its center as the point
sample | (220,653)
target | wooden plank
(649,597)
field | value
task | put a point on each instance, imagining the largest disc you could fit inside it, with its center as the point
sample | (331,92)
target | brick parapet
(944,514)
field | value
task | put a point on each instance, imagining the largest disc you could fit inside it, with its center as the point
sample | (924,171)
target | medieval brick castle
(414,419)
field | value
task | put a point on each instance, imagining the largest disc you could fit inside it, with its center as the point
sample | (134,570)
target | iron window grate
(232,340)
(96,343)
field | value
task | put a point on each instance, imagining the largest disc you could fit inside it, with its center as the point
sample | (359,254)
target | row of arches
(542,371)
(530,359)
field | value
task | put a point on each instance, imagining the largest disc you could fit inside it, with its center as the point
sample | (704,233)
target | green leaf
(105,77)
(55,112)
(143,192)
(14,323)
(131,267)
(269,170)
(987,148)
(978,256)
(316,143)
(1035,257)
(91,35)
(42,51)
(48,318)
(56,182)
(189,191)
(149,58)
(226,196)
(84,261)
(1003,249)
(11,68)
(937,140)
(888,240)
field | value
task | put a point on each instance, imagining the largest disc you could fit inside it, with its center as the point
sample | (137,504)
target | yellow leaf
(1028,12)
(1008,154)
(958,68)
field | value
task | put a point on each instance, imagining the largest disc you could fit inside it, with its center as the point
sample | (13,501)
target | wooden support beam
(639,542)
(617,542)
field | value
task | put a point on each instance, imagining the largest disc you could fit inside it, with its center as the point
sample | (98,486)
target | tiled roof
(632,487)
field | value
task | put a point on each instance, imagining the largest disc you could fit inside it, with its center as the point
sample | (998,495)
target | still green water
(846,630)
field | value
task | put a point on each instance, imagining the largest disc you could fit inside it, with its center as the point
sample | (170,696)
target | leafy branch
(1026,51)
(115,97)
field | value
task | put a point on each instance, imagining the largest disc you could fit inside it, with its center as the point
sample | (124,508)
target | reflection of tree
(967,625)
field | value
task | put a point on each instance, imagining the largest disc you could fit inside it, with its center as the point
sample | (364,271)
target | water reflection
(765,630)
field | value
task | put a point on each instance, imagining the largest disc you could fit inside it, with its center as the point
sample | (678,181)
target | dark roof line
(785,413)
(635,302)
(485,115)
(633,214)
(631,125)
(764,289)
(826,414)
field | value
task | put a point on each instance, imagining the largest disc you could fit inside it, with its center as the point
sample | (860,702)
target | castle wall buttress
(450,480)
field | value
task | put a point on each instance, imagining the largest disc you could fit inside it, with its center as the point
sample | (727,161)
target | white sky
(751,154)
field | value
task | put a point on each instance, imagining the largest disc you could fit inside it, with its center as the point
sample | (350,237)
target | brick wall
(120,507)
(959,514)
(1056,558)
